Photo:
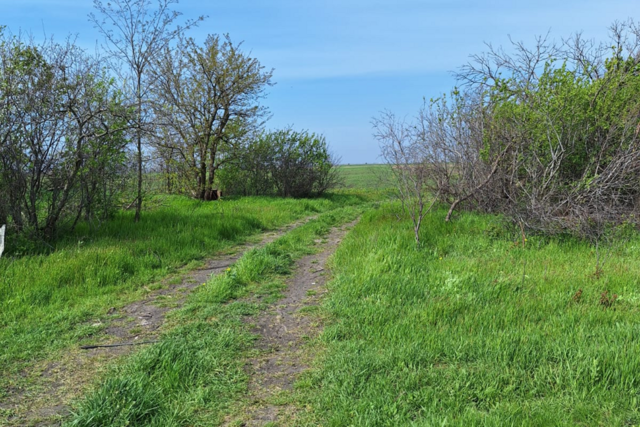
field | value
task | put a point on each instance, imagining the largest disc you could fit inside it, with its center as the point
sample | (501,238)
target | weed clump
(607,300)
(577,297)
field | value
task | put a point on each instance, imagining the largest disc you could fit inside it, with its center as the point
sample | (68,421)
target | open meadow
(475,328)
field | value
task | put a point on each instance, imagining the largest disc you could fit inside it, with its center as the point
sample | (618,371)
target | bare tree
(402,148)
(451,132)
(441,154)
(135,35)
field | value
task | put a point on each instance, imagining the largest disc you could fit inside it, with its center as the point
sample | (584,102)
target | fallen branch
(126,208)
(89,347)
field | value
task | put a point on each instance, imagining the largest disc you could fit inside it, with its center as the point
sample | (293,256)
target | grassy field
(46,300)
(365,177)
(475,329)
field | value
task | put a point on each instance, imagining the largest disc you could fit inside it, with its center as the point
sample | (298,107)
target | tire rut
(283,331)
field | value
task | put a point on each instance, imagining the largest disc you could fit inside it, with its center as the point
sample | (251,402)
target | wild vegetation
(481,295)
(546,136)
(82,133)
(282,163)
(62,151)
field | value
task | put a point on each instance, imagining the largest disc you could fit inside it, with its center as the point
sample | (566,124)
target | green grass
(471,330)
(47,300)
(193,375)
(455,334)
(366,177)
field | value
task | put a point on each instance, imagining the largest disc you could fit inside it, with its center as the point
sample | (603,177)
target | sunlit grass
(365,177)
(474,329)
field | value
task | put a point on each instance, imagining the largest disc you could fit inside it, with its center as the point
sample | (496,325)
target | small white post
(2,239)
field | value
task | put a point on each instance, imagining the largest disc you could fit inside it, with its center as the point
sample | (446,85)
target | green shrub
(285,163)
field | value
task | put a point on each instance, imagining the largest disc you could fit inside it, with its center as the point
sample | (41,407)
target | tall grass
(475,329)
(45,300)
(196,371)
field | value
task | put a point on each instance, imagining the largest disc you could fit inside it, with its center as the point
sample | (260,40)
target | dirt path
(284,329)
(56,384)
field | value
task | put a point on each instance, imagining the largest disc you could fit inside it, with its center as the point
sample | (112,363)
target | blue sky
(338,63)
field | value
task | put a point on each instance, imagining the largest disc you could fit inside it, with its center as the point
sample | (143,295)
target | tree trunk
(139,146)
(212,171)
(202,181)
(2,231)
(494,168)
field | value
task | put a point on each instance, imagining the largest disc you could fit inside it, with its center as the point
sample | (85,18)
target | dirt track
(284,329)
(59,382)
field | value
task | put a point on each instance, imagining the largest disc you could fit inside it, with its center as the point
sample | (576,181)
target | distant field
(365,176)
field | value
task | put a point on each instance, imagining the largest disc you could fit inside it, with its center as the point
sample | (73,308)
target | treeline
(547,136)
(80,134)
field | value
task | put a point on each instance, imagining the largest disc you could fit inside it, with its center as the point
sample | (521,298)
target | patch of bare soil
(283,331)
(54,384)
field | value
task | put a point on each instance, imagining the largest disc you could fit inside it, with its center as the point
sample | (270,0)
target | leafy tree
(207,100)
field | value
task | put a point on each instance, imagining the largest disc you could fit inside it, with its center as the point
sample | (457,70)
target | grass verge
(475,329)
(196,371)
